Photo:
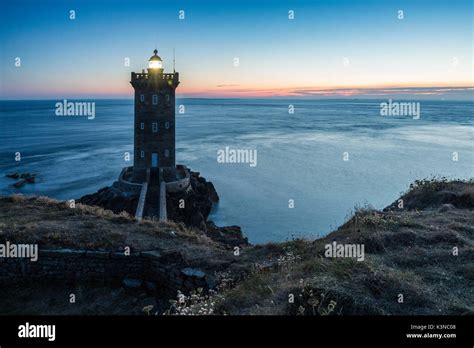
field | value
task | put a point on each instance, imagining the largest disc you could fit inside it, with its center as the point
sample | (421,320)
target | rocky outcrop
(228,235)
(433,194)
(111,199)
(23,178)
(191,207)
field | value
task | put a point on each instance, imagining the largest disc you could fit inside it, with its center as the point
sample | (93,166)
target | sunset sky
(330,49)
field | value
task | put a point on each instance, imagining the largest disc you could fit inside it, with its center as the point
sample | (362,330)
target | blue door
(154,160)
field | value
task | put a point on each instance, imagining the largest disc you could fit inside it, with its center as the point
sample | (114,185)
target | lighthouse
(154,123)
(154,173)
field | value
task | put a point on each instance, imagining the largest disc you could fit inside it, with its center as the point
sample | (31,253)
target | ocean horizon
(323,160)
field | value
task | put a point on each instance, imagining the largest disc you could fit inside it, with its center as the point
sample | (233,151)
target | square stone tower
(154,141)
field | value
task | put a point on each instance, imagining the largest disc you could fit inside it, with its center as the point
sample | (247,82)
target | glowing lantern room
(155,61)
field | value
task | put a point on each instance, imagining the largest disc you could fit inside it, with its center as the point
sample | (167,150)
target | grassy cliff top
(422,250)
(418,255)
(54,224)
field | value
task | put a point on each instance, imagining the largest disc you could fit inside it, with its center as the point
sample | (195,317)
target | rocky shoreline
(192,208)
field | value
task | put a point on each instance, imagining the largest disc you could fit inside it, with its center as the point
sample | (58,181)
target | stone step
(162,199)
(141,201)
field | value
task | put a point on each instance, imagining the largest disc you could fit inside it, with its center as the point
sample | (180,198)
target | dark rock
(154,254)
(150,286)
(149,301)
(211,281)
(193,272)
(429,199)
(19,184)
(211,192)
(25,177)
(446,207)
(196,219)
(30,179)
(466,200)
(197,203)
(130,283)
(445,197)
(228,235)
(111,199)
(172,257)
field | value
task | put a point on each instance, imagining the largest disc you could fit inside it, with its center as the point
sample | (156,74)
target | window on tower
(155,99)
(167,153)
(167,97)
(142,125)
(167,125)
(142,97)
(155,127)
(142,154)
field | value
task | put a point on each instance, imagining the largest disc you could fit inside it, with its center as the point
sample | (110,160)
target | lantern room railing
(147,76)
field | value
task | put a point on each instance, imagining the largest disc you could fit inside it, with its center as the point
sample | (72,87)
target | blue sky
(329,47)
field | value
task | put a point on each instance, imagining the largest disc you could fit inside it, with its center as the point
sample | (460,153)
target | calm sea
(300,156)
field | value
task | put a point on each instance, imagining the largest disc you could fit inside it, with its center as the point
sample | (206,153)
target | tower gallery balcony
(138,77)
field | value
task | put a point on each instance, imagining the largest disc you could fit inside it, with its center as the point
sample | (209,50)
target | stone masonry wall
(159,273)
